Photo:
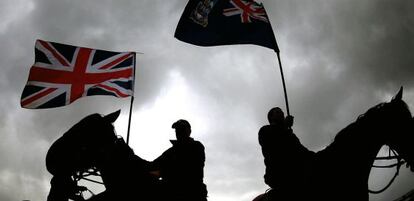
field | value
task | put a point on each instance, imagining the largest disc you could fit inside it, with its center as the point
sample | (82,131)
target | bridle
(90,172)
(397,165)
(83,174)
(392,155)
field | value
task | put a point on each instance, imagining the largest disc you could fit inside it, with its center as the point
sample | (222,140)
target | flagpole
(130,116)
(283,82)
(132,100)
(276,49)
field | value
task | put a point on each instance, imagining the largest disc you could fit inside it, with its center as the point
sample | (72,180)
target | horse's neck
(371,149)
(120,163)
(113,162)
(370,142)
(344,166)
(355,146)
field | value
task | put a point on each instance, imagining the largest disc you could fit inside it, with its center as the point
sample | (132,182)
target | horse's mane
(91,129)
(371,116)
(86,122)
(92,133)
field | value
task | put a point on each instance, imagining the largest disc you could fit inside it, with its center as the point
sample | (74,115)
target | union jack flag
(247,10)
(63,73)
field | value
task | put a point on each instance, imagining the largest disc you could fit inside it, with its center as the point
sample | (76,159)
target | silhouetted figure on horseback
(91,147)
(341,170)
(284,155)
(181,167)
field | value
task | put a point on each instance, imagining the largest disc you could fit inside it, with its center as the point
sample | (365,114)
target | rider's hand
(289,121)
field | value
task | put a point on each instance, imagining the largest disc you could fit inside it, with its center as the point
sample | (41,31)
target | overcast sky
(340,57)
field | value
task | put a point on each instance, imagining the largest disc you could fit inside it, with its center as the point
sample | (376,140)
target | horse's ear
(399,95)
(112,117)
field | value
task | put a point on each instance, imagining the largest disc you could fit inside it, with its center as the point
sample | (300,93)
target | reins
(397,165)
(83,176)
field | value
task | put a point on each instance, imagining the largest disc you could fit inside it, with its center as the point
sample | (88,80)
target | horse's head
(81,146)
(400,137)
(95,131)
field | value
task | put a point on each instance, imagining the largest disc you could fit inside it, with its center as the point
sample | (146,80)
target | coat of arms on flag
(200,14)
(225,22)
(63,73)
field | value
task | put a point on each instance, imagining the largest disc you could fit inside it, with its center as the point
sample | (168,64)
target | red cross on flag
(246,10)
(63,73)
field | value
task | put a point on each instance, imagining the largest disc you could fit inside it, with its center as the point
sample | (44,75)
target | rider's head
(182,129)
(276,116)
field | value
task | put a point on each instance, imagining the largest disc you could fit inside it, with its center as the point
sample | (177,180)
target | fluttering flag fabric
(225,22)
(63,73)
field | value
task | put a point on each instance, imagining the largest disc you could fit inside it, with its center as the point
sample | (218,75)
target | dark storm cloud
(339,57)
(371,39)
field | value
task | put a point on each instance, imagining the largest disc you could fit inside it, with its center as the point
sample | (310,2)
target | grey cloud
(339,57)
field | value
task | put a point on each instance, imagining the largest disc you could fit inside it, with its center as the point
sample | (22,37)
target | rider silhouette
(283,153)
(181,166)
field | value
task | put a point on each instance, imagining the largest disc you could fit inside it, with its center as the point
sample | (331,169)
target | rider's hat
(181,124)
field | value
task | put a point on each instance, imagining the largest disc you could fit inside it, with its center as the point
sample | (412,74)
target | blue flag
(225,22)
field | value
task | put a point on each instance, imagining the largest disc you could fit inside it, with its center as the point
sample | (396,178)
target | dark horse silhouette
(341,170)
(90,147)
